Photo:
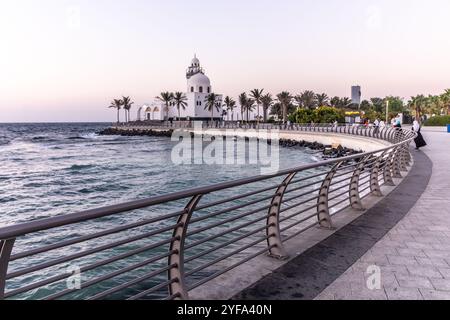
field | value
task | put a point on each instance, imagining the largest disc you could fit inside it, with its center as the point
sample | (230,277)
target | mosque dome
(199,83)
(199,79)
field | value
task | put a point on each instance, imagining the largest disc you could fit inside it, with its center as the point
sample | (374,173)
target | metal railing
(165,246)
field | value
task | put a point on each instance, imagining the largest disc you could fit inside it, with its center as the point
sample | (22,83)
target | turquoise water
(54,169)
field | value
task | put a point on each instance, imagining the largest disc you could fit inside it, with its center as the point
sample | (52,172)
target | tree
(322,100)
(243,101)
(445,98)
(211,103)
(416,104)
(395,104)
(285,99)
(346,102)
(434,105)
(365,105)
(306,99)
(277,110)
(116,104)
(180,102)
(249,107)
(378,104)
(167,98)
(335,102)
(229,104)
(319,115)
(266,102)
(257,94)
(127,103)
(328,115)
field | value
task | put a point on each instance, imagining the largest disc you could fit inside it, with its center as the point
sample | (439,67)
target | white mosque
(198,88)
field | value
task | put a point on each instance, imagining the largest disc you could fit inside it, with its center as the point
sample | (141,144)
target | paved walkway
(414,257)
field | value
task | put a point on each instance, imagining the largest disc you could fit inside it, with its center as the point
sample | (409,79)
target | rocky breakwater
(327,151)
(136,132)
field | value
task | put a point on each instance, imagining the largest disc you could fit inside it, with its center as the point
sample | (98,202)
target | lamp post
(387,111)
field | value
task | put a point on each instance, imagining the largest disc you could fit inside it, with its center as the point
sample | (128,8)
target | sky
(66,60)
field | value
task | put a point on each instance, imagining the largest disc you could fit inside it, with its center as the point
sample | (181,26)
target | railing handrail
(62,220)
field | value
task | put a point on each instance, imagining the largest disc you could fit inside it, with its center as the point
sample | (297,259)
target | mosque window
(209,89)
(192,89)
(200,89)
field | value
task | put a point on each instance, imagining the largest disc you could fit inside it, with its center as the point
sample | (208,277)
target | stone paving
(413,257)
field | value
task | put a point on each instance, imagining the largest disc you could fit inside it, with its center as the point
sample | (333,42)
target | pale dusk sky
(66,60)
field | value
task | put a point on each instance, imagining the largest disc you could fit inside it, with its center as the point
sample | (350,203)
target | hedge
(439,121)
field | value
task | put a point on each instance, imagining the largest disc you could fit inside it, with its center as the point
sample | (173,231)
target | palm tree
(322,100)
(116,104)
(417,103)
(266,102)
(180,102)
(306,99)
(434,105)
(229,104)
(445,98)
(167,98)
(346,102)
(127,103)
(257,94)
(285,99)
(249,107)
(212,103)
(243,101)
(335,102)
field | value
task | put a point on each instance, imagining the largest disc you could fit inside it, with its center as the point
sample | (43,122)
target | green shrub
(438,121)
(319,115)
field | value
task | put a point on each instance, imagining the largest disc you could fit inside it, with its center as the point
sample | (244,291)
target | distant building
(356,95)
(198,88)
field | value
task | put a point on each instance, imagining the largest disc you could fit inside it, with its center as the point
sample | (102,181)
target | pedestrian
(419,140)
(376,124)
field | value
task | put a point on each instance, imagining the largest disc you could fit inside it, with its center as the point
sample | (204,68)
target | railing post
(355,199)
(323,211)
(387,170)
(178,287)
(396,163)
(6,247)
(274,240)
(403,160)
(374,183)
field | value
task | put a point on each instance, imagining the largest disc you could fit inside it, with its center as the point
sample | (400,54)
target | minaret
(194,67)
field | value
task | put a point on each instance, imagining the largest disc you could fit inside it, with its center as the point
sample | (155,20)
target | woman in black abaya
(420,141)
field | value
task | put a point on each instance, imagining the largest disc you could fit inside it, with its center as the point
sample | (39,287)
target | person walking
(419,140)
(376,124)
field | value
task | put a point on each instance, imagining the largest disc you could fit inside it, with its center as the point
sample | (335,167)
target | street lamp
(387,111)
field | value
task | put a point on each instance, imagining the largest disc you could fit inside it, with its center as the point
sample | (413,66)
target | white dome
(198,80)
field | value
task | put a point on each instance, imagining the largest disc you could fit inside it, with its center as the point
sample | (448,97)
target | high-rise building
(356,95)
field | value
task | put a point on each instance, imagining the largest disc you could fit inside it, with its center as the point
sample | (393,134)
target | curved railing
(165,246)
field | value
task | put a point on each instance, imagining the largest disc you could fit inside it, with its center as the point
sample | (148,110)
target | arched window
(192,89)
(200,89)
(209,89)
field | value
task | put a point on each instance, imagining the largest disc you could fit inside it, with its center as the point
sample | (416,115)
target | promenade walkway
(414,256)
(406,236)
